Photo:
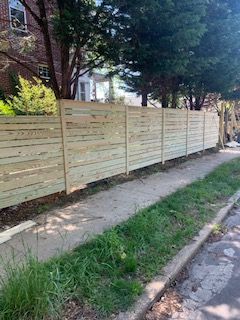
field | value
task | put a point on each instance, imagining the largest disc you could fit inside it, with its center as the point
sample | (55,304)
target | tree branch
(29,25)
(33,14)
(21,63)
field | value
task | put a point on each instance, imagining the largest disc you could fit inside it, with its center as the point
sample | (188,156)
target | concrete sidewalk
(63,229)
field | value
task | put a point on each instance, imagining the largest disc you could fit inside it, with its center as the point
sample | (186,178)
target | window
(82,91)
(17,15)
(43,72)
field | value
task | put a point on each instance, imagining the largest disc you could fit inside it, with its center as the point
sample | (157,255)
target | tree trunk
(65,85)
(164,100)
(226,117)
(198,103)
(191,102)
(48,46)
(174,100)
(144,98)
(111,90)
(202,101)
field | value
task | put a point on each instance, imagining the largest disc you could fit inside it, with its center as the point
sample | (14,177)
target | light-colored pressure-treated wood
(96,141)
(90,141)
(31,158)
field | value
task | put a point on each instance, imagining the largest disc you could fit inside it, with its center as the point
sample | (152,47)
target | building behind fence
(41,155)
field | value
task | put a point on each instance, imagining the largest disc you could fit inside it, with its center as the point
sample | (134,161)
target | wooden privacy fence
(88,142)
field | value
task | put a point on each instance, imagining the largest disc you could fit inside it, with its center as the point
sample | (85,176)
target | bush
(6,109)
(34,98)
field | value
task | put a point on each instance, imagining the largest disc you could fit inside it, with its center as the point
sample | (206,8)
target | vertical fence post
(64,143)
(127,138)
(187,133)
(232,121)
(204,130)
(163,134)
(221,126)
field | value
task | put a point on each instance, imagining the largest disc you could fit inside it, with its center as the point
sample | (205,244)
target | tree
(82,31)
(159,37)
(215,64)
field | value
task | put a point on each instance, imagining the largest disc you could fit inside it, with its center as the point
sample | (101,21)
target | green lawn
(109,272)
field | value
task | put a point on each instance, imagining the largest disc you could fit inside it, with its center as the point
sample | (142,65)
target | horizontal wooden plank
(10,168)
(30,142)
(79,160)
(135,166)
(45,175)
(29,119)
(138,149)
(98,143)
(35,192)
(146,155)
(31,151)
(29,134)
(27,189)
(111,118)
(92,178)
(34,157)
(71,104)
(85,168)
(29,126)
(103,136)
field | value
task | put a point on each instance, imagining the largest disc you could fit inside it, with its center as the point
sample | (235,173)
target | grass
(109,272)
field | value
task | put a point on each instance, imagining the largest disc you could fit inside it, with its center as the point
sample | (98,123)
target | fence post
(221,126)
(127,138)
(204,130)
(187,133)
(163,134)
(64,143)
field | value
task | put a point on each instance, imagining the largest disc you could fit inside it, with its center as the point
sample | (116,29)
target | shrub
(34,98)
(6,109)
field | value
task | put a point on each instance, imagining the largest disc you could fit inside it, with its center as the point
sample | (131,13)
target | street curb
(156,288)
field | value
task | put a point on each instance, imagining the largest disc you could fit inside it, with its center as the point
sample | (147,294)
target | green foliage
(86,32)
(39,288)
(176,47)
(6,109)
(33,98)
(109,272)
(159,38)
(219,229)
(161,48)
(215,64)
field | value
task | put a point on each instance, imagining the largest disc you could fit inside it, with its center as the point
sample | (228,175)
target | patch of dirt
(183,275)
(217,234)
(215,237)
(12,216)
(74,311)
(169,304)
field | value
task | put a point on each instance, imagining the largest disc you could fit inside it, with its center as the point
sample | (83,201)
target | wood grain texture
(91,141)
(31,162)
